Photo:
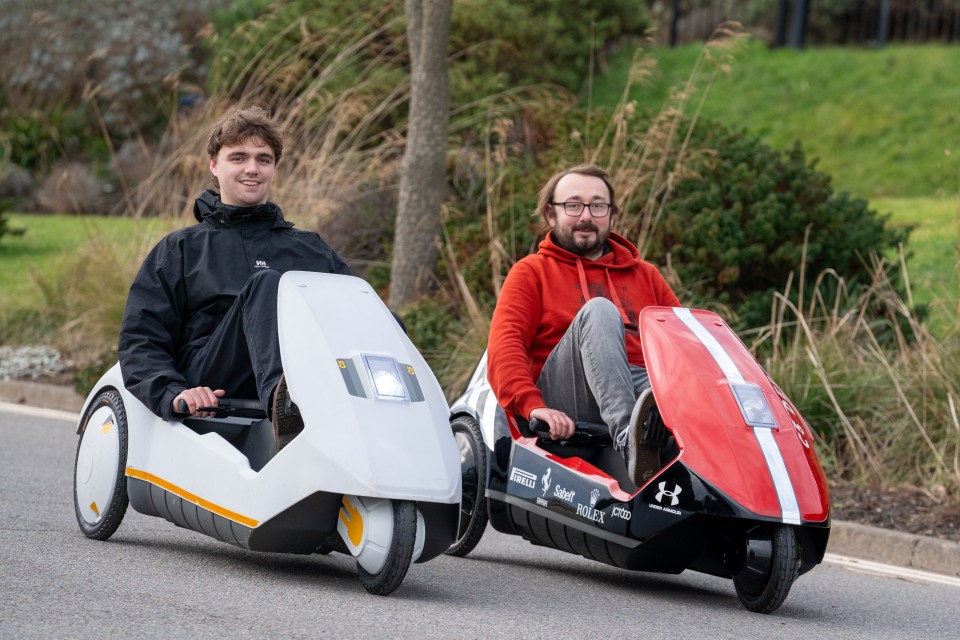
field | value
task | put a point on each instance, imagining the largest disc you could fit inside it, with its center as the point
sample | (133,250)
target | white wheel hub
(366,526)
(97,463)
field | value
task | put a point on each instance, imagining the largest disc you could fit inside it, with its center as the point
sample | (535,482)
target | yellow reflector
(107,427)
(93,505)
(352,521)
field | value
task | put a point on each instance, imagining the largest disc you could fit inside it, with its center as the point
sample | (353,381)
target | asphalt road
(153,580)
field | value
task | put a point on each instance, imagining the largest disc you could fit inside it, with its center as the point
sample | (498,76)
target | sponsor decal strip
(190,497)
(789,507)
(581,525)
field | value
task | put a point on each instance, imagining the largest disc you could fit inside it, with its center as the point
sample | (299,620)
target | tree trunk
(423,172)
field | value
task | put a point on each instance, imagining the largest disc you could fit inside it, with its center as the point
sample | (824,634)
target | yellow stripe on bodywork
(190,497)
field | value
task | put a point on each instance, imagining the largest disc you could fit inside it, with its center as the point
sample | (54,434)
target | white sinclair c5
(373,474)
(740,493)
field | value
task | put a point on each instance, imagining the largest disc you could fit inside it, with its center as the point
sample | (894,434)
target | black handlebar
(228,407)
(591,433)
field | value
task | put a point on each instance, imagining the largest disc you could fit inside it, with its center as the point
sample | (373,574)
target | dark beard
(567,242)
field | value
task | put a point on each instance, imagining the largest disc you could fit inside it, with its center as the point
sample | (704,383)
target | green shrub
(5,228)
(538,40)
(36,138)
(495,45)
(753,215)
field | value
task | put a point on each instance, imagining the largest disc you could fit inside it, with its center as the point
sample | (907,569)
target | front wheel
(399,554)
(473,474)
(99,483)
(771,565)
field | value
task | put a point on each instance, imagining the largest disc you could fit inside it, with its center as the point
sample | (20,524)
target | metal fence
(800,23)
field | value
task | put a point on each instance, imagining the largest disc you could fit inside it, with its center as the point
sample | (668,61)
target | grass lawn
(933,257)
(883,122)
(44,251)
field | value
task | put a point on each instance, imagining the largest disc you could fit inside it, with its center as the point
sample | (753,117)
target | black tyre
(772,563)
(399,555)
(99,479)
(473,472)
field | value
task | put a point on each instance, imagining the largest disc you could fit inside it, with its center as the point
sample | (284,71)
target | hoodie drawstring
(614,298)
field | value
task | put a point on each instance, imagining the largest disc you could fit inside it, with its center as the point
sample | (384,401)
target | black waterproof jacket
(189,281)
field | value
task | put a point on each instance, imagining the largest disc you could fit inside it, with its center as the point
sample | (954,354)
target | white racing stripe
(25,410)
(789,507)
(489,416)
(730,370)
(888,570)
(778,471)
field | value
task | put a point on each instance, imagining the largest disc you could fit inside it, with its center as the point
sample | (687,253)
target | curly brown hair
(243,124)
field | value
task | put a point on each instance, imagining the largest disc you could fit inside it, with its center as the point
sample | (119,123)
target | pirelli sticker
(348,369)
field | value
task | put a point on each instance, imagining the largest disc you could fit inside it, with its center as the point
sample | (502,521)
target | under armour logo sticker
(674,500)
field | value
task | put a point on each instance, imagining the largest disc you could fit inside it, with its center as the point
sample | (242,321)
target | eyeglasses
(574,208)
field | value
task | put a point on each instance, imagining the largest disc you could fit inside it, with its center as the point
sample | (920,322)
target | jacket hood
(209,208)
(622,254)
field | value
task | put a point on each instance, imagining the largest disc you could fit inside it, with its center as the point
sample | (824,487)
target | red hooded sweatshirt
(540,297)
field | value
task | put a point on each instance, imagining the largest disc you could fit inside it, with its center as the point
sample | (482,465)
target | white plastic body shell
(352,445)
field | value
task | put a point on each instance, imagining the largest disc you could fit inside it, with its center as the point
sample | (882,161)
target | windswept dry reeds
(877,388)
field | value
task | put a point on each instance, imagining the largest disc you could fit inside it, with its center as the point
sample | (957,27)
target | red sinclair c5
(740,493)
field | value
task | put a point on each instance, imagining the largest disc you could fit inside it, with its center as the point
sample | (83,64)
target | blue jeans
(587,375)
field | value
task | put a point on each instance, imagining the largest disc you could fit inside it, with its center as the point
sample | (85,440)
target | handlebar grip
(584,433)
(227,407)
(540,427)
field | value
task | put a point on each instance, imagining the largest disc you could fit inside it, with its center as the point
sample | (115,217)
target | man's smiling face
(583,235)
(245,172)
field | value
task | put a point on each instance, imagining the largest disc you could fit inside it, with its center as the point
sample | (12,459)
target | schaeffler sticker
(524,478)
(590,512)
(664,493)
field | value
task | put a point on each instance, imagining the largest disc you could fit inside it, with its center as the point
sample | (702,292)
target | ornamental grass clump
(878,389)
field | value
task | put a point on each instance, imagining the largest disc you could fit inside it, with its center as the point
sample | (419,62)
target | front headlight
(753,405)
(385,377)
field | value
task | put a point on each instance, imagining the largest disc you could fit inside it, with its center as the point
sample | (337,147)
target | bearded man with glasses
(564,343)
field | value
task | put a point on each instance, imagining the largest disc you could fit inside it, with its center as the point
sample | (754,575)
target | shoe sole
(286,425)
(645,461)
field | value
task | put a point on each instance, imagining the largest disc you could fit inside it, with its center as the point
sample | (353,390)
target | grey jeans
(587,375)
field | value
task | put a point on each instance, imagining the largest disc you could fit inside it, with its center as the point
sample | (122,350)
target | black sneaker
(287,421)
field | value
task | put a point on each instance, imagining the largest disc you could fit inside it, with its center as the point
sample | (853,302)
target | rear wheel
(399,554)
(473,473)
(771,563)
(99,483)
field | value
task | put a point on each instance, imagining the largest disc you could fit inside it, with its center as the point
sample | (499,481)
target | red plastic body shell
(691,381)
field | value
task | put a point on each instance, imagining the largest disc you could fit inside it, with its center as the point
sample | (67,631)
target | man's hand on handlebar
(196,398)
(561,425)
